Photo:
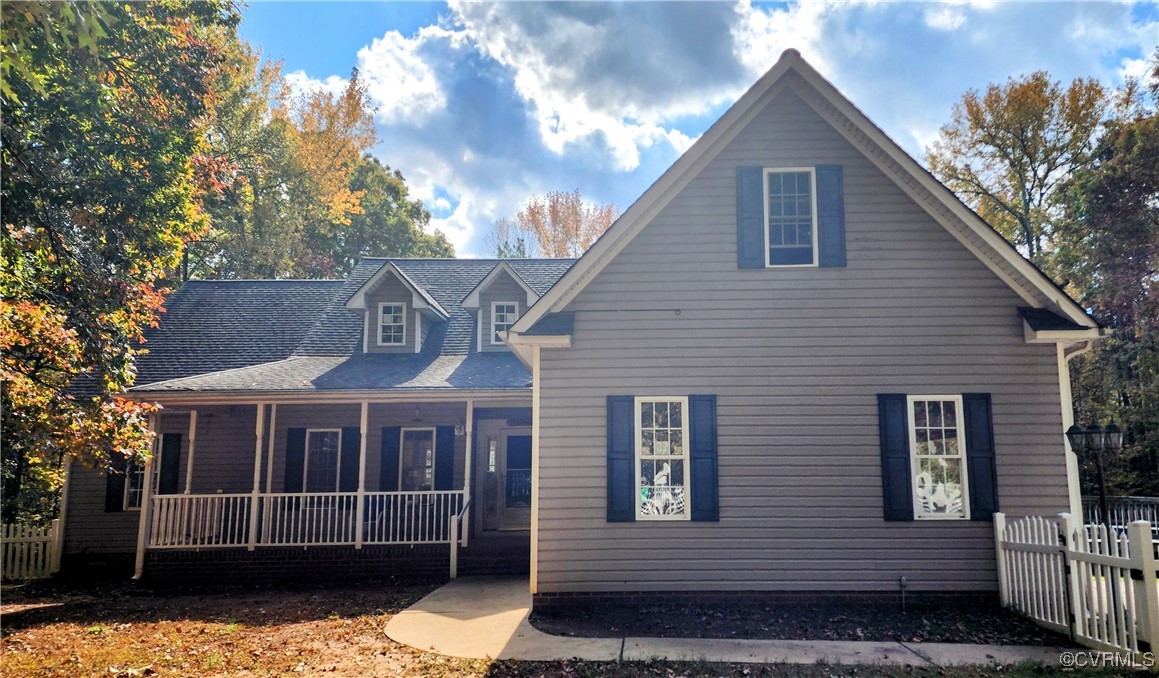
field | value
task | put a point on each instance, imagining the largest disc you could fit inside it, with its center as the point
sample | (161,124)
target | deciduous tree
(1109,249)
(1007,150)
(557,224)
(101,150)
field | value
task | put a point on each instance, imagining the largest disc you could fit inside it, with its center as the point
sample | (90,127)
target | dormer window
(392,324)
(503,316)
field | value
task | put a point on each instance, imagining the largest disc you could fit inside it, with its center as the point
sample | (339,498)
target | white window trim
(913,456)
(434,454)
(133,470)
(637,448)
(383,305)
(499,342)
(337,465)
(813,208)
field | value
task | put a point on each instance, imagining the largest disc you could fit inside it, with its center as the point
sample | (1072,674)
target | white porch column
(146,502)
(535,394)
(259,431)
(192,448)
(469,453)
(361,504)
(270,454)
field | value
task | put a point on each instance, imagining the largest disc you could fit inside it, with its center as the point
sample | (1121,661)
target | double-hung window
(417,467)
(134,486)
(391,324)
(790,217)
(503,316)
(322,460)
(662,472)
(938,457)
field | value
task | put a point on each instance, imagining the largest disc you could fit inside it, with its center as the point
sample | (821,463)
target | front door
(515,483)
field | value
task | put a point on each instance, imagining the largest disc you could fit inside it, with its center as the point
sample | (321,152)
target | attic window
(790,217)
(392,324)
(503,316)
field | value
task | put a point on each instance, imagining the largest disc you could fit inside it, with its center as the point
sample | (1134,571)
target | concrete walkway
(486,618)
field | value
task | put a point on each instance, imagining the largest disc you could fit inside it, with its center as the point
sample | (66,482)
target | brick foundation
(557,601)
(290,564)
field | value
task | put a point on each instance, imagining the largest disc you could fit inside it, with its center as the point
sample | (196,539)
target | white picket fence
(30,552)
(1102,589)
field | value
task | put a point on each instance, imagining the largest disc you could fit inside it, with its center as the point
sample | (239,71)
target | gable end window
(790,217)
(937,457)
(503,316)
(391,324)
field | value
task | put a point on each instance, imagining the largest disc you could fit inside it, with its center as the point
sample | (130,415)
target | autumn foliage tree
(557,224)
(296,179)
(101,146)
(1109,249)
(1006,152)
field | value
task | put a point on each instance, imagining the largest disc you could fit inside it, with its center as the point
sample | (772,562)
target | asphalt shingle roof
(212,325)
(265,335)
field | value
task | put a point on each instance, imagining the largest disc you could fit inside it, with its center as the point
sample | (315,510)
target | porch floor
(487,617)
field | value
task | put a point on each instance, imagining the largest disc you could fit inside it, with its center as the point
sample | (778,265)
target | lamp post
(1091,442)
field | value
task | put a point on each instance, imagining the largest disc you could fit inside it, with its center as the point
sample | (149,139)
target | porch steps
(498,554)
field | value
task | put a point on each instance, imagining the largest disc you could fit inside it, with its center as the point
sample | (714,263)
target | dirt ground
(921,622)
(124,630)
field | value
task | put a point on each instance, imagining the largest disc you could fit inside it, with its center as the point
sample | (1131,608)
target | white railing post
(1142,551)
(999,551)
(259,431)
(454,528)
(469,463)
(55,545)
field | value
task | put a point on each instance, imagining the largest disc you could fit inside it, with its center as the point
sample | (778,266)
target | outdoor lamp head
(1095,435)
(1114,437)
(1077,438)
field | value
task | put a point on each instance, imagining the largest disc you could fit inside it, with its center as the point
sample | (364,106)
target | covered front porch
(423,472)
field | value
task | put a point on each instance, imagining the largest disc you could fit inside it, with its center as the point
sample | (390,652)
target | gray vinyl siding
(390,290)
(502,289)
(795,358)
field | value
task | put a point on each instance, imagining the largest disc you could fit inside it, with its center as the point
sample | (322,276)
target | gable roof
(791,71)
(299,335)
(422,299)
(472,298)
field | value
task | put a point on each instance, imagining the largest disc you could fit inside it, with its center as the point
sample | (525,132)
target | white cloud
(616,75)
(399,79)
(945,17)
(1133,68)
(300,83)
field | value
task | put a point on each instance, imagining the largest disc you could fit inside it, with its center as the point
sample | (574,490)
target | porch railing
(1123,510)
(199,520)
(302,519)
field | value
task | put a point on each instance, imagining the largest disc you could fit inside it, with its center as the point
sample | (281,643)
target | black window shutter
(750,217)
(702,455)
(388,471)
(896,483)
(621,457)
(115,486)
(295,459)
(170,463)
(830,215)
(981,469)
(445,458)
(350,446)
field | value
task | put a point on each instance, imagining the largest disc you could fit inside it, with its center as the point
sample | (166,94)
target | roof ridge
(270,280)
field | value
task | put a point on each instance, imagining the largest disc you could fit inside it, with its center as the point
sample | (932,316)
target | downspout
(1066,397)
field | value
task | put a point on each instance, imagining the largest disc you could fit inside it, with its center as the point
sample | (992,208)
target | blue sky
(482,105)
